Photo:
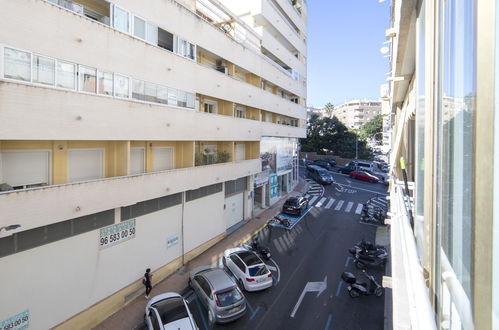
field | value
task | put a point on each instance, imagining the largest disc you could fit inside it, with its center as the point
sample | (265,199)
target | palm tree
(329,107)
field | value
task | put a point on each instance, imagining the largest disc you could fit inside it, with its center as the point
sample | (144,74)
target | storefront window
(455,137)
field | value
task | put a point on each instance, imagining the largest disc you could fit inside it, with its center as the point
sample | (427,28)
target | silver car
(169,311)
(218,293)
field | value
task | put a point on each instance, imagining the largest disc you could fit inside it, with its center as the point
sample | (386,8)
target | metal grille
(203,191)
(235,186)
(149,206)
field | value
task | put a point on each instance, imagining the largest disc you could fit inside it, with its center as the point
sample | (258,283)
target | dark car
(364,175)
(295,205)
(323,163)
(331,161)
(350,167)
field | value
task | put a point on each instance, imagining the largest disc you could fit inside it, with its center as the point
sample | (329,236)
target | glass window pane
(43,70)
(152,34)
(191,100)
(182,98)
(66,75)
(17,64)
(87,79)
(172,96)
(121,86)
(150,92)
(121,20)
(138,89)
(162,94)
(105,83)
(139,27)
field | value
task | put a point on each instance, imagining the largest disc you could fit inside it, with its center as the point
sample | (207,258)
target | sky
(344,40)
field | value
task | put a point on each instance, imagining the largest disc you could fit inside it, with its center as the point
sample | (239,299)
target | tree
(329,109)
(372,129)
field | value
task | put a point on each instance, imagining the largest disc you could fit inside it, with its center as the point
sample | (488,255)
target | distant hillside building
(317,111)
(354,114)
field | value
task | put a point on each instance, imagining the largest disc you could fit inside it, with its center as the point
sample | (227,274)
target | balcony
(293,13)
(34,207)
(270,43)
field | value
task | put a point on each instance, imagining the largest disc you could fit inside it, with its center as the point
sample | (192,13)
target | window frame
(210,103)
(32,68)
(129,15)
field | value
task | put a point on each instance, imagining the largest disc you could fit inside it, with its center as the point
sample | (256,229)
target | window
(268,117)
(85,164)
(162,94)
(240,112)
(17,64)
(210,106)
(105,83)
(66,75)
(152,33)
(21,168)
(151,92)
(121,19)
(138,89)
(172,96)
(137,160)
(163,158)
(238,263)
(185,48)
(87,79)
(191,100)
(181,98)
(121,86)
(139,27)
(43,70)
(240,151)
(165,39)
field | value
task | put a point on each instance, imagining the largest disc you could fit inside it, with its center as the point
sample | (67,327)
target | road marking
(339,205)
(307,196)
(330,203)
(339,288)
(278,271)
(349,207)
(254,313)
(375,192)
(271,267)
(319,204)
(313,200)
(319,287)
(359,208)
(328,322)
(281,240)
(288,241)
(278,245)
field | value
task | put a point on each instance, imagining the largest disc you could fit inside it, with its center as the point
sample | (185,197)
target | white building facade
(354,114)
(130,138)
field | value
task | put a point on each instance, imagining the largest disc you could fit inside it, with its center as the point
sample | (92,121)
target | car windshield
(291,202)
(229,297)
(171,309)
(258,270)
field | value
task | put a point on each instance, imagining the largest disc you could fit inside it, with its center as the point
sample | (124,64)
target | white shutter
(137,160)
(163,158)
(25,167)
(85,164)
(240,152)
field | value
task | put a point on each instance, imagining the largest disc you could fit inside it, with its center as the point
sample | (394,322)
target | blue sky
(344,41)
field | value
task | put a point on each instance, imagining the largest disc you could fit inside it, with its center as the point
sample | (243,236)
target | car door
(200,285)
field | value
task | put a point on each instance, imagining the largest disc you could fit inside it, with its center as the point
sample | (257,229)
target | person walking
(147,282)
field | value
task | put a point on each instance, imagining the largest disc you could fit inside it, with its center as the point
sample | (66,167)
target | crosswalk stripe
(307,196)
(330,203)
(313,200)
(278,245)
(339,205)
(359,208)
(319,204)
(284,245)
(288,241)
(349,207)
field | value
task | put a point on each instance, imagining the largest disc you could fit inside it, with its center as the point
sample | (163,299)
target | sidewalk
(133,313)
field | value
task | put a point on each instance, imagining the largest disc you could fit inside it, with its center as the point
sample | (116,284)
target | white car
(169,311)
(250,271)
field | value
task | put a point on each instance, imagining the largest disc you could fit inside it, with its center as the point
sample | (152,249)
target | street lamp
(9,227)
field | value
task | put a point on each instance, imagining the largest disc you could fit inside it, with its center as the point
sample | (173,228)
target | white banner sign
(16,322)
(117,233)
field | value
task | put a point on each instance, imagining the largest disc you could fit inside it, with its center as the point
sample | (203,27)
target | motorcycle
(362,261)
(261,250)
(365,247)
(283,221)
(356,289)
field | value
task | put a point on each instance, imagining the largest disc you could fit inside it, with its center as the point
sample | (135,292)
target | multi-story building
(445,221)
(354,114)
(134,135)
(315,111)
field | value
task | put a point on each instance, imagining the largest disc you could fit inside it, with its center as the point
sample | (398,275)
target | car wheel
(211,317)
(354,293)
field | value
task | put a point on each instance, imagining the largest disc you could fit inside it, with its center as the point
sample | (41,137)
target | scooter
(365,247)
(263,251)
(356,289)
(283,221)
(362,261)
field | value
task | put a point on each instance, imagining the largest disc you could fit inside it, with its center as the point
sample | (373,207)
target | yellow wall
(225,108)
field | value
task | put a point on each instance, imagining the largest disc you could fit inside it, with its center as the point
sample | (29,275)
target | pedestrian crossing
(315,189)
(337,205)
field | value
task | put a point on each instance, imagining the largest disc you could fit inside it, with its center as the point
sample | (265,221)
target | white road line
(349,207)
(359,208)
(373,191)
(288,241)
(298,229)
(330,203)
(311,191)
(278,245)
(307,196)
(339,205)
(319,204)
(313,200)
(281,240)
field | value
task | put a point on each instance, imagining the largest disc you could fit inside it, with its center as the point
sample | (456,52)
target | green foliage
(372,129)
(223,156)
(329,135)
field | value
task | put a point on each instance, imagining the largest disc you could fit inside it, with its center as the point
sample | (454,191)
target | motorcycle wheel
(359,265)
(354,293)
(378,292)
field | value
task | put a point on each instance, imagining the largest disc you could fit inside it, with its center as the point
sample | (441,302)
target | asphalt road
(314,251)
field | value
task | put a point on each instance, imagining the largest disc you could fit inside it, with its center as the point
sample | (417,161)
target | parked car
(295,205)
(331,161)
(250,271)
(219,294)
(319,174)
(168,311)
(323,163)
(347,168)
(364,175)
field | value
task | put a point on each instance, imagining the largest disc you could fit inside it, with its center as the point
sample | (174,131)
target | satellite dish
(384,50)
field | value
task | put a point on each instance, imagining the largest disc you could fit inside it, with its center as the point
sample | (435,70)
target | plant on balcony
(223,156)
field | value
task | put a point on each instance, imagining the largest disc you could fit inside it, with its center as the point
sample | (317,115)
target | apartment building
(444,223)
(136,136)
(354,114)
